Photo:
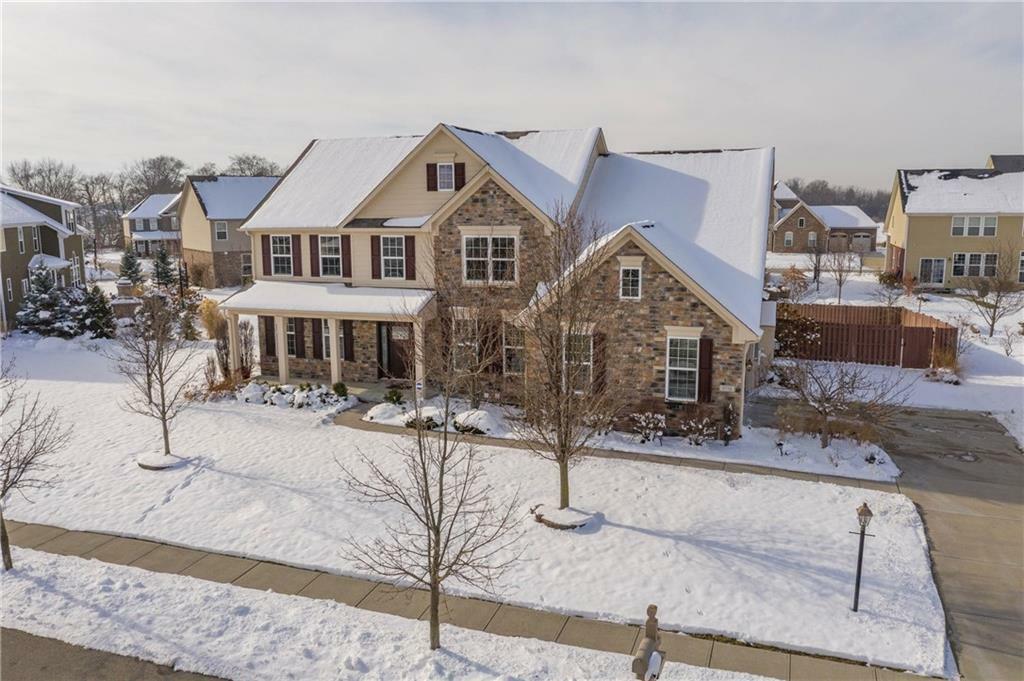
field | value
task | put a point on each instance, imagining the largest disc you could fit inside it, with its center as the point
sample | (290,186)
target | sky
(844,92)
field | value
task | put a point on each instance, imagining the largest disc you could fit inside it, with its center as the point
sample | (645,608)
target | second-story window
(801,222)
(489,258)
(330,256)
(975,225)
(445,177)
(220,230)
(140,224)
(35,238)
(281,254)
(392,256)
(174,222)
(21,240)
(152,224)
(629,283)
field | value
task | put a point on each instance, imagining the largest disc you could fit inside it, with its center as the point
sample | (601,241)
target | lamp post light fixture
(864,516)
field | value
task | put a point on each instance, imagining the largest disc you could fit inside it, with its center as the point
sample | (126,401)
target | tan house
(153,223)
(36,230)
(947,224)
(210,211)
(347,244)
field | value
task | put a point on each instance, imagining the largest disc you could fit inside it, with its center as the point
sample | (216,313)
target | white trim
(216,230)
(639,282)
(684,331)
(801,222)
(787,239)
(37,242)
(490,230)
(590,358)
(489,261)
(505,347)
(981,265)
(10,291)
(321,256)
(289,335)
(920,265)
(451,165)
(965,225)
(24,287)
(325,339)
(695,369)
(21,240)
(384,258)
(287,238)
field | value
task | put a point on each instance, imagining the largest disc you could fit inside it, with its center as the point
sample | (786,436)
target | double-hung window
(681,369)
(489,259)
(174,222)
(325,329)
(21,240)
(10,289)
(578,361)
(76,278)
(220,230)
(392,257)
(975,264)
(465,343)
(24,287)
(975,225)
(629,283)
(514,347)
(812,239)
(152,224)
(787,239)
(289,335)
(330,255)
(35,238)
(801,222)
(281,254)
(140,224)
(247,265)
(445,177)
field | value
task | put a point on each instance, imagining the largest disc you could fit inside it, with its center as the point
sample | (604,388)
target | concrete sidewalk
(470,613)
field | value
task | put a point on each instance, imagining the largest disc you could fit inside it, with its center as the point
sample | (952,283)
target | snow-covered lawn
(758,446)
(747,556)
(238,633)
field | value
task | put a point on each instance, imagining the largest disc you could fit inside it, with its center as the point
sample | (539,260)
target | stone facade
(215,269)
(363,368)
(800,234)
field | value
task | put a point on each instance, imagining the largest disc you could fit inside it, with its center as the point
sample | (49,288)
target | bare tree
(454,524)
(47,176)
(795,282)
(567,400)
(815,261)
(1009,339)
(253,165)
(996,293)
(157,175)
(31,434)
(158,361)
(841,267)
(838,390)
(208,168)
(888,295)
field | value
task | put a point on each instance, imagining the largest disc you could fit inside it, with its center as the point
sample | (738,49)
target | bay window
(281,254)
(681,369)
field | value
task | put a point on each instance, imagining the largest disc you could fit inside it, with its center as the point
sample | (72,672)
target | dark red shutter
(318,339)
(410,257)
(460,176)
(265,247)
(375,256)
(600,362)
(300,337)
(314,255)
(296,255)
(348,339)
(267,327)
(704,359)
(431,177)
(346,255)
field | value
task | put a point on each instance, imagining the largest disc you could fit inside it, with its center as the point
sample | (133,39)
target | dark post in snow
(863,518)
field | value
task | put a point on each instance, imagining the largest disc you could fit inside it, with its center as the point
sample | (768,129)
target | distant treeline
(874,202)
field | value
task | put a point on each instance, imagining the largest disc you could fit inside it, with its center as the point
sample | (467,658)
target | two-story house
(347,245)
(210,211)
(945,225)
(36,230)
(153,223)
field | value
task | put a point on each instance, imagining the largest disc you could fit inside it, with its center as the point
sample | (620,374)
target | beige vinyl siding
(895,218)
(196,230)
(930,236)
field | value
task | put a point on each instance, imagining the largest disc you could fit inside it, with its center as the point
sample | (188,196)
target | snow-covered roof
(547,166)
(709,213)
(784,193)
(50,261)
(14,213)
(330,179)
(156,235)
(417,221)
(41,197)
(226,197)
(961,191)
(843,217)
(317,298)
(152,206)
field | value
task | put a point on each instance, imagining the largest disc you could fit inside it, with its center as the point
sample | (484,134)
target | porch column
(233,345)
(417,335)
(281,343)
(336,349)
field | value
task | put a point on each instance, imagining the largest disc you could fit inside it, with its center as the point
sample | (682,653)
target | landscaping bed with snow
(236,633)
(751,557)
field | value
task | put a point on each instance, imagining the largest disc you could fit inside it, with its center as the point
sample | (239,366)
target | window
(974,225)
(247,265)
(392,256)
(578,361)
(489,258)
(1020,271)
(281,254)
(629,283)
(787,239)
(812,239)
(24,287)
(76,278)
(801,222)
(139,224)
(21,240)
(514,345)
(325,328)
(330,256)
(445,177)
(289,336)
(174,222)
(35,238)
(467,343)
(932,270)
(10,287)
(681,369)
(152,224)
(975,264)
(991,264)
(220,230)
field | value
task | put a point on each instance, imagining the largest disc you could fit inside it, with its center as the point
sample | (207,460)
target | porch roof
(157,235)
(323,299)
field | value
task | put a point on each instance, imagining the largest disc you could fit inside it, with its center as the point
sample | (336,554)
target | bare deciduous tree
(31,433)
(567,397)
(454,524)
(795,282)
(253,165)
(158,361)
(46,176)
(841,267)
(815,261)
(839,390)
(887,294)
(156,175)
(996,293)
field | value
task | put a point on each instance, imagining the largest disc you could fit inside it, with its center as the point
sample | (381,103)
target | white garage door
(861,243)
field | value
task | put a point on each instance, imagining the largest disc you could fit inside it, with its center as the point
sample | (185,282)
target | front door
(395,349)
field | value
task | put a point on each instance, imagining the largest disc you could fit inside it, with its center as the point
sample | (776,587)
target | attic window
(801,222)
(445,177)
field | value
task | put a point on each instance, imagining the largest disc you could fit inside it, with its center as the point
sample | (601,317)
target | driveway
(966,474)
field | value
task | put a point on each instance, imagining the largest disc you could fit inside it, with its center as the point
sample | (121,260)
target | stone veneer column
(281,341)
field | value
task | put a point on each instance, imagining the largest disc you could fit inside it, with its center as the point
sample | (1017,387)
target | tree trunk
(167,438)
(435,619)
(563,484)
(5,543)
(826,436)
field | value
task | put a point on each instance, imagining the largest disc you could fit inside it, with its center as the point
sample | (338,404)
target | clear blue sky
(846,92)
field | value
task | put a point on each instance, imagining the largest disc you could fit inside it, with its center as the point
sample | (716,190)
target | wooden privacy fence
(892,336)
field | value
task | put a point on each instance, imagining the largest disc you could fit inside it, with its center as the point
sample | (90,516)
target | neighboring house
(944,225)
(347,244)
(36,230)
(807,229)
(210,211)
(152,223)
(1007,163)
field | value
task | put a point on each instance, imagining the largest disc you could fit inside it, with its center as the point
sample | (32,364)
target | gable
(791,218)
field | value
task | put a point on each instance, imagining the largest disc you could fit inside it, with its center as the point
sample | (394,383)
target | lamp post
(864,515)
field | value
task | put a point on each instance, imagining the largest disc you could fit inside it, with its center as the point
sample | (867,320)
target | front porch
(334,333)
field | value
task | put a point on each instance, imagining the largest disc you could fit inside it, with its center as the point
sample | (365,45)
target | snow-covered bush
(648,426)
(730,423)
(942,375)
(428,418)
(315,397)
(253,393)
(475,421)
(698,430)
(385,411)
